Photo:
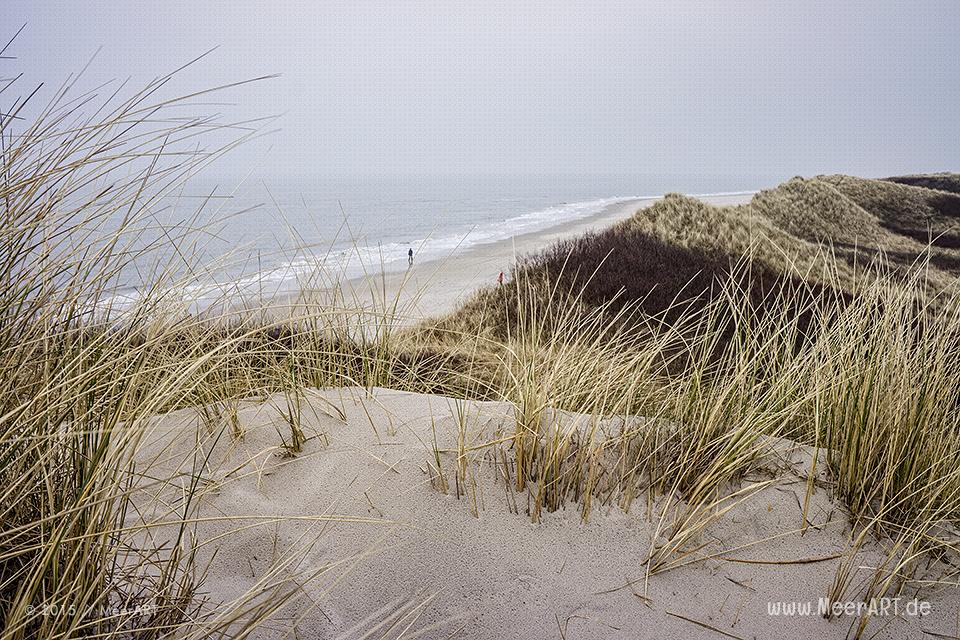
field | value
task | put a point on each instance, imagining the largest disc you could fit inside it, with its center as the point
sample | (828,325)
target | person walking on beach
(410,257)
(500,279)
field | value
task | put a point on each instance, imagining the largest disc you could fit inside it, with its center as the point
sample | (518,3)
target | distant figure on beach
(410,257)
(500,279)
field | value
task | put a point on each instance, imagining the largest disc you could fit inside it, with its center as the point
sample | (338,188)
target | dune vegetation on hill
(823,236)
(939,181)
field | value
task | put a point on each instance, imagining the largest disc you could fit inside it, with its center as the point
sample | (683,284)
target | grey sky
(738,88)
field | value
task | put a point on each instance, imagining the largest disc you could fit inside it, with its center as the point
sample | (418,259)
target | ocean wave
(392,256)
(324,268)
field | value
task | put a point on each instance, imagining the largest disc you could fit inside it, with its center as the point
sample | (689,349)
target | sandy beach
(437,287)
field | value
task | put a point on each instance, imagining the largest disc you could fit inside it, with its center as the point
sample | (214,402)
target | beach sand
(376,543)
(437,287)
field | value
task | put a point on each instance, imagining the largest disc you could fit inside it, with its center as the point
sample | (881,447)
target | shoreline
(438,286)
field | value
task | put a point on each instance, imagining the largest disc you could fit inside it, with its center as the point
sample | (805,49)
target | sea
(267,237)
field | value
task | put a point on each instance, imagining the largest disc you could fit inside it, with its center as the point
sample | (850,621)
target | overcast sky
(722,87)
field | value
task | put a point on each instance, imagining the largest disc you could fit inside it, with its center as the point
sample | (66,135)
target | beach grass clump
(703,426)
(864,372)
(81,376)
(87,546)
(884,406)
(888,417)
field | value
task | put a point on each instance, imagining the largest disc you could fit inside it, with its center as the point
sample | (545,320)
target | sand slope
(361,510)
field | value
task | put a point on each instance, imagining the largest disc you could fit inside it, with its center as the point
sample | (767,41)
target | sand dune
(397,548)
